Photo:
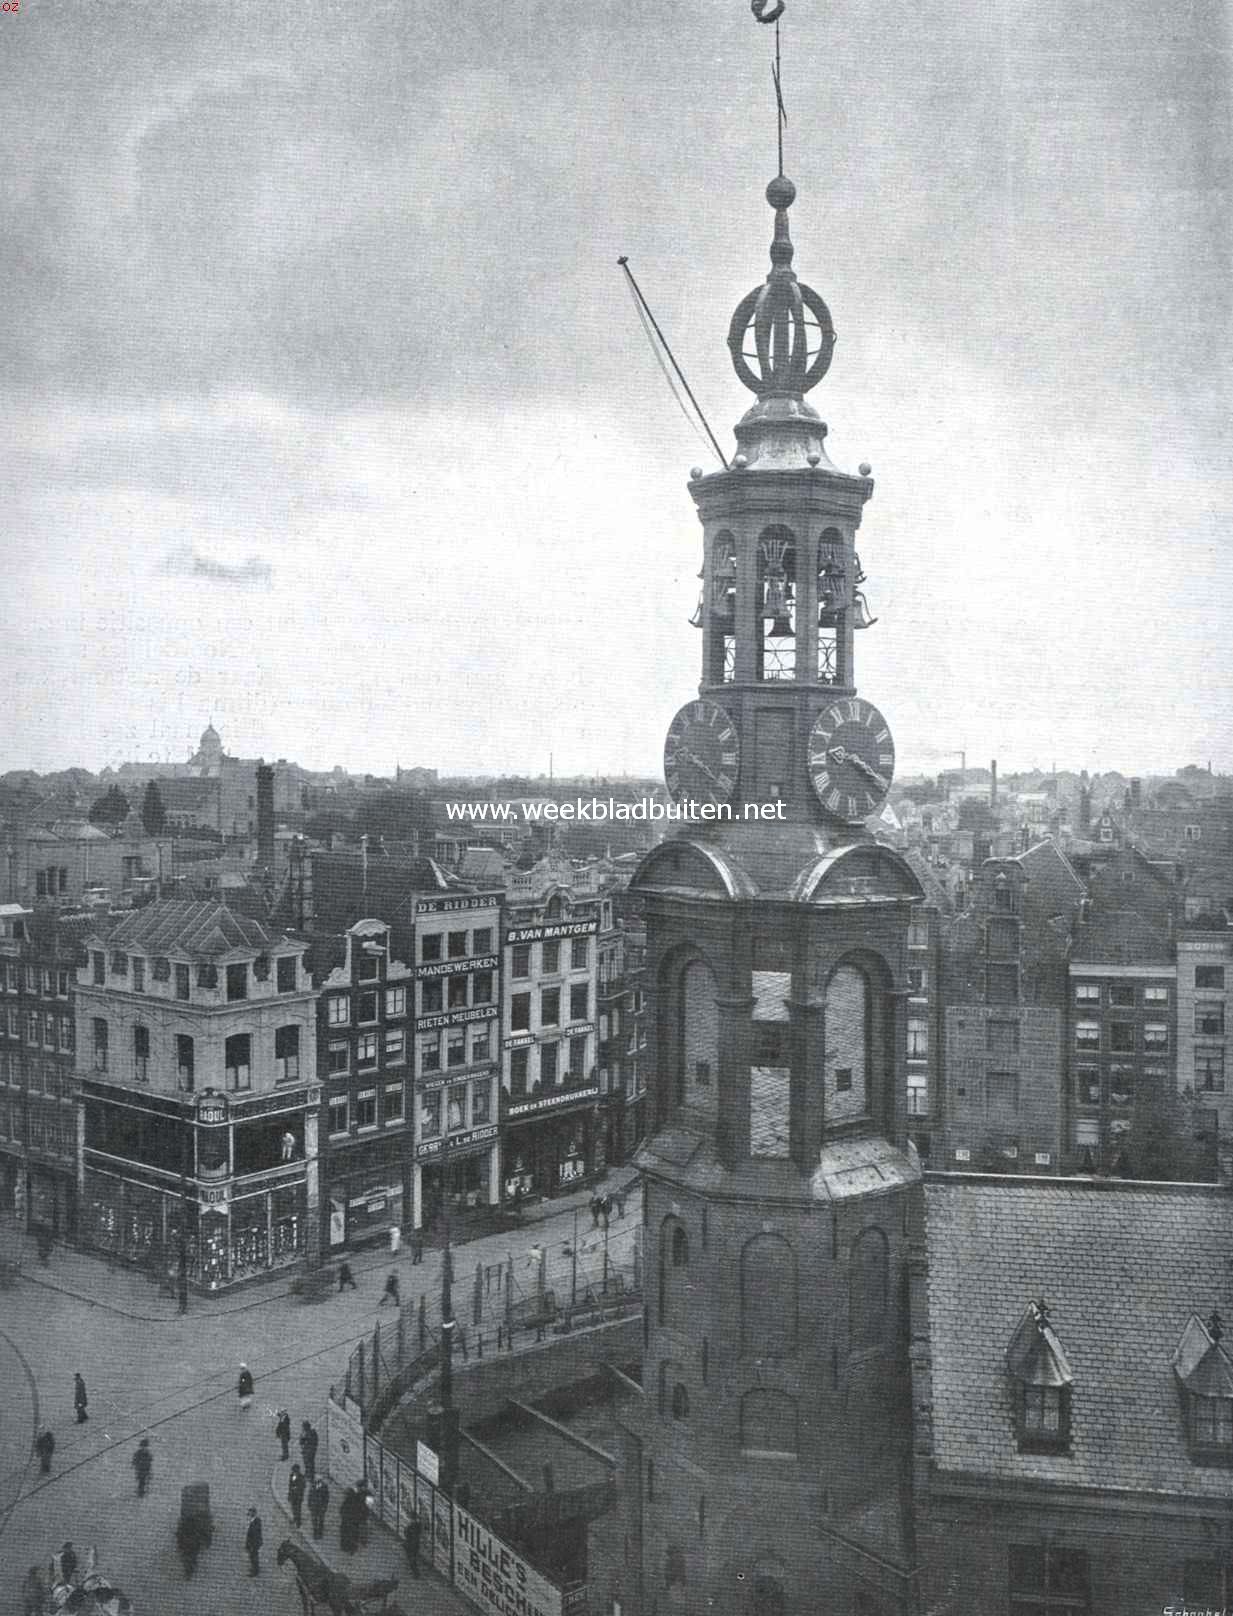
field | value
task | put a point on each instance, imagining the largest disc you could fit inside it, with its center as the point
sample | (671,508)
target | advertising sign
(563,928)
(458,1142)
(548,1101)
(480,962)
(344,1445)
(495,1578)
(442,1533)
(426,1462)
(456,1018)
(442,906)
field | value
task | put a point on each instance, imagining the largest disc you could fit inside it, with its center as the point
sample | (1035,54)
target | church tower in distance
(767,1469)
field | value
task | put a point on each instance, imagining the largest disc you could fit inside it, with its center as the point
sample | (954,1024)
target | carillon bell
(696,620)
(860,614)
(778,607)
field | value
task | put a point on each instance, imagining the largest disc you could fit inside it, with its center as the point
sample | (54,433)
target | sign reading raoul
(494,1577)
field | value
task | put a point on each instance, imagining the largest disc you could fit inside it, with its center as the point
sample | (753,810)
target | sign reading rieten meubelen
(494,1577)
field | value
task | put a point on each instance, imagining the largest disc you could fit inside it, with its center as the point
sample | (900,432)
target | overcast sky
(328,415)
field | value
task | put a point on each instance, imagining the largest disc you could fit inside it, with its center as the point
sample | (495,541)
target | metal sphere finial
(781,193)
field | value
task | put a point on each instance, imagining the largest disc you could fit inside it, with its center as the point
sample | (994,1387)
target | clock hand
(698,763)
(868,771)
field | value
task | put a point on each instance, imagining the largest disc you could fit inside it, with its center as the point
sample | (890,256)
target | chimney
(265,816)
(1136,793)
(993,784)
(1085,811)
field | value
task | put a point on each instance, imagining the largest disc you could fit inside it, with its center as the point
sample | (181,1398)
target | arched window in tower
(846,1044)
(768,1297)
(552,910)
(834,589)
(673,1392)
(770,1073)
(721,618)
(699,1039)
(868,1291)
(776,604)
(768,1423)
(673,1271)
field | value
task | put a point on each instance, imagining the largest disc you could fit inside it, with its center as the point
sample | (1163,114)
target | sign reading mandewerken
(495,1578)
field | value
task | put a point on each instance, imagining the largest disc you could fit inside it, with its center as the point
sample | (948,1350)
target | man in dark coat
(244,1385)
(296,1486)
(67,1561)
(318,1503)
(143,1463)
(283,1432)
(349,1512)
(390,1293)
(80,1399)
(308,1449)
(411,1544)
(45,1446)
(252,1542)
(346,1279)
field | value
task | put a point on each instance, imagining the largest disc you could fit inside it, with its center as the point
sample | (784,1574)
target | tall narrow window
(185,1062)
(100,1044)
(237,1061)
(141,1054)
(286,1054)
(867,1290)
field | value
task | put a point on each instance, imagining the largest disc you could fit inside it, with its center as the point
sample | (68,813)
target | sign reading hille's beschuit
(494,1577)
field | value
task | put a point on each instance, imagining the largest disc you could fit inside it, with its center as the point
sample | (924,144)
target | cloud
(185,562)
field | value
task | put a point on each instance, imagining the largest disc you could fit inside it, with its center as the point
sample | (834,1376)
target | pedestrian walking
(296,1487)
(364,1513)
(596,1203)
(390,1293)
(65,1564)
(34,1592)
(283,1432)
(417,1249)
(605,1209)
(411,1544)
(143,1463)
(191,1538)
(253,1539)
(244,1386)
(620,1203)
(318,1503)
(346,1279)
(45,1446)
(348,1521)
(80,1399)
(395,1239)
(308,1449)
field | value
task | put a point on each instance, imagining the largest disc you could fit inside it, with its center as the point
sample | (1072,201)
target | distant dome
(210,736)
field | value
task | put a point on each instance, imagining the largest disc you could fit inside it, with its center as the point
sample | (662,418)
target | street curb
(332,1558)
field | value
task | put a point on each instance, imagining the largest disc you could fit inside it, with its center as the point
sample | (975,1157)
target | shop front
(366,1193)
(52,1200)
(552,1146)
(469,1176)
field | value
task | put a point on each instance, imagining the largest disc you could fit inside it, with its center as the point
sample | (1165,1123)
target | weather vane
(767,12)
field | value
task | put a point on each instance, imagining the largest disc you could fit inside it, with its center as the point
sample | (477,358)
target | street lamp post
(448,1471)
(186,1140)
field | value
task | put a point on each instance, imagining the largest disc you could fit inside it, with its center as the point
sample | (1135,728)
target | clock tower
(767,1469)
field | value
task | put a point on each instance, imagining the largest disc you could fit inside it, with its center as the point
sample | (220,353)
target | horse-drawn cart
(328,1593)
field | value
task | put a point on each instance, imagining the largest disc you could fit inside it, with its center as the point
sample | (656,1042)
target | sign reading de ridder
(495,1578)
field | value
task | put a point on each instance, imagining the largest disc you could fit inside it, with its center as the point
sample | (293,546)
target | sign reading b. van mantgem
(564,928)
(495,1578)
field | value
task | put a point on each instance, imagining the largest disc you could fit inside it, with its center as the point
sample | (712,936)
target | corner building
(766,1471)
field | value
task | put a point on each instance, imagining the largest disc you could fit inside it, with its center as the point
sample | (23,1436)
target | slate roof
(172,926)
(1121,937)
(1122,1269)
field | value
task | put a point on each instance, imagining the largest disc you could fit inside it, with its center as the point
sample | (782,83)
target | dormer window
(1041,1381)
(1204,1371)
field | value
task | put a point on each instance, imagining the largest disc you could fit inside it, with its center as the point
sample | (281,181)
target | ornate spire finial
(793,335)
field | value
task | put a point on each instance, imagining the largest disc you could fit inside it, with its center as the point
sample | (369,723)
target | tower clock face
(702,754)
(851,758)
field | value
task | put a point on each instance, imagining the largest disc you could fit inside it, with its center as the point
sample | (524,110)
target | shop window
(366,1051)
(395,1001)
(1209,976)
(99,1027)
(429,1045)
(481,1103)
(430,1114)
(457,995)
(481,1043)
(547,1065)
(481,940)
(430,948)
(141,1054)
(286,973)
(368,1005)
(182,983)
(237,1057)
(139,975)
(366,1109)
(520,1012)
(338,1057)
(551,958)
(868,1290)
(458,944)
(769,1423)
(578,1060)
(518,1061)
(1044,1580)
(237,982)
(432,998)
(1087,992)
(520,960)
(338,1009)
(456,1112)
(481,987)
(392,1106)
(286,1054)
(395,1045)
(579,953)
(579,1001)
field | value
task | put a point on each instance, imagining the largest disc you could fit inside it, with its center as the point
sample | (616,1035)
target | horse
(323,1586)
